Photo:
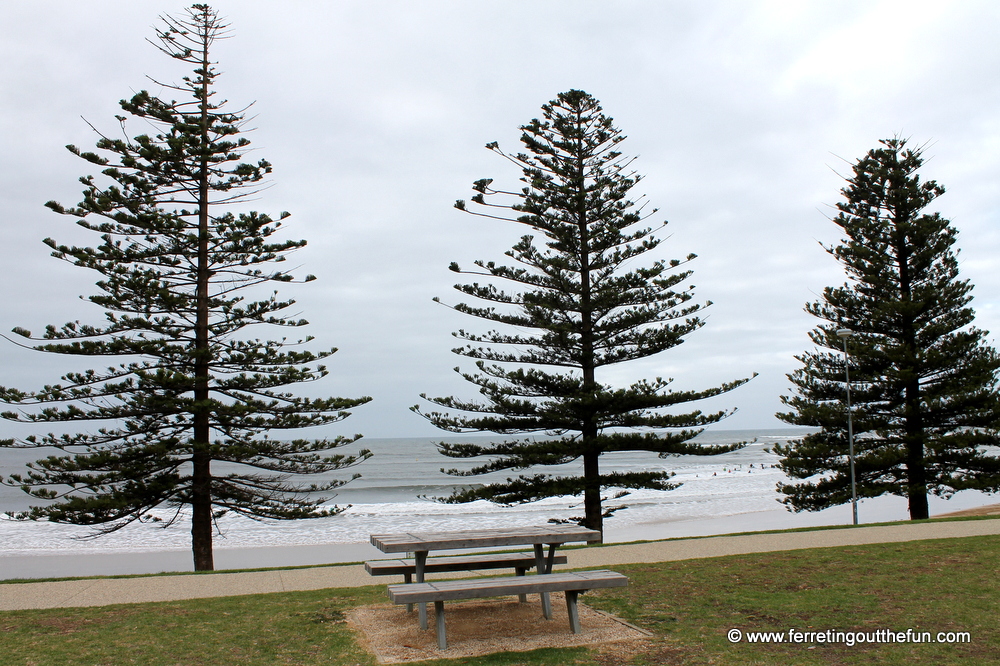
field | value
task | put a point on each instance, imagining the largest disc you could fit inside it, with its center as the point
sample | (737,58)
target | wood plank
(423,541)
(497,587)
(458,563)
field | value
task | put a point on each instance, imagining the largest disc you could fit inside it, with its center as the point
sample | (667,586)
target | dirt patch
(481,627)
(990,510)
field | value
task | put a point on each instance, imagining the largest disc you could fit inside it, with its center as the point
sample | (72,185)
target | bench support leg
(521,597)
(408,578)
(571,610)
(540,565)
(439,624)
(421,561)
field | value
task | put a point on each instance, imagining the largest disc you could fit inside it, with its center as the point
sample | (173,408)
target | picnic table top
(513,536)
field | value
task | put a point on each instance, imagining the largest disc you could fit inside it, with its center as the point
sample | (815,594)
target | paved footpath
(108,591)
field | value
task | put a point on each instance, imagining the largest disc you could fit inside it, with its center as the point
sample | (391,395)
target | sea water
(731,492)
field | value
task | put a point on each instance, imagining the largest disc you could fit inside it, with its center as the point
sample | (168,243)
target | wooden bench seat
(520,562)
(572,583)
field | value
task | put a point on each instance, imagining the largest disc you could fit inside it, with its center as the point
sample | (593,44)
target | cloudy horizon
(743,116)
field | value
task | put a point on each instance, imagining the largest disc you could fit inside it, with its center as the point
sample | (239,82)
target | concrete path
(108,591)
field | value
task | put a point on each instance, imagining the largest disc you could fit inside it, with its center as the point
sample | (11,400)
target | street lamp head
(844,333)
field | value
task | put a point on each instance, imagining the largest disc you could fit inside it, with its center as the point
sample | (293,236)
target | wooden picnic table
(421,543)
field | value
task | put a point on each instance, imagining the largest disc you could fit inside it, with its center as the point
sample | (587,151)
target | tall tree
(577,305)
(923,378)
(194,388)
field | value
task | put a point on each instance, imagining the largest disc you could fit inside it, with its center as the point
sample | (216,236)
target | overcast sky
(375,115)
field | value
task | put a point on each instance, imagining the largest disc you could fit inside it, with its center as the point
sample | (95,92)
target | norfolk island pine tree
(925,405)
(576,308)
(176,266)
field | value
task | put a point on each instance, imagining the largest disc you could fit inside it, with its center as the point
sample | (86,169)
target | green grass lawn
(938,586)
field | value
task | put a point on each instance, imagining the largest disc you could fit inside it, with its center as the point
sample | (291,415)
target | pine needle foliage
(194,389)
(577,302)
(925,405)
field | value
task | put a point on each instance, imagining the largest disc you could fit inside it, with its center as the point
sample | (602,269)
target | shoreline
(178,560)
(110,591)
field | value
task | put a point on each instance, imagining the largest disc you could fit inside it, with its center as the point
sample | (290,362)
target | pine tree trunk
(201,490)
(201,514)
(593,512)
(914,430)
(916,472)
(916,477)
(919,509)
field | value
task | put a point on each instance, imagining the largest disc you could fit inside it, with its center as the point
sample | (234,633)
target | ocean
(732,492)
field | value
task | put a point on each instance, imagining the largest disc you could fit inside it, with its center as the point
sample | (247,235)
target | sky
(744,118)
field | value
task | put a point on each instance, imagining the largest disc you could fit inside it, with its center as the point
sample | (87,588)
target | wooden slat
(498,587)
(423,541)
(501,587)
(458,563)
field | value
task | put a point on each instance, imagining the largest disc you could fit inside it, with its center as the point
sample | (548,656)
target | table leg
(540,565)
(572,611)
(421,560)
(439,624)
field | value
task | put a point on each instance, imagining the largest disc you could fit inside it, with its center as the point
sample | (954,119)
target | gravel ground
(479,627)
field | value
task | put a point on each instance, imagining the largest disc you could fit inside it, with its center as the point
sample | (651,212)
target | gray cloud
(375,115)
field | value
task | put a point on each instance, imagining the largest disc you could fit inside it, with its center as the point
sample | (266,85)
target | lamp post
(843,334)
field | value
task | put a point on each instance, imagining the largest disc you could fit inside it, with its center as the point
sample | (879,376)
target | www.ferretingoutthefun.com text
(850,638)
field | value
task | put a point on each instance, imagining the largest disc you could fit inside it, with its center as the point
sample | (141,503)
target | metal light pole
(843,334)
